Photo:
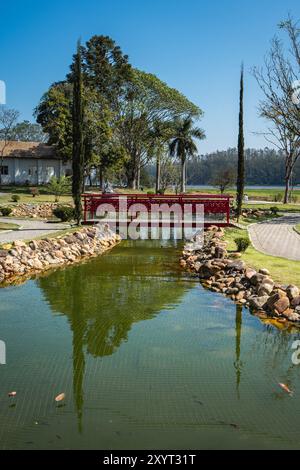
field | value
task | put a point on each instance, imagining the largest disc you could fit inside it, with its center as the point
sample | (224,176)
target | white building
(32,163)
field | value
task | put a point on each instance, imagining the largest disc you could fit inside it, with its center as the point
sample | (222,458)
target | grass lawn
(259,194)
(297,228)
(282,270)
(27,198)
(4,226)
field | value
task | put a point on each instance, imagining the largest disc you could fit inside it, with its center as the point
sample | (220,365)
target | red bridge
(216,208)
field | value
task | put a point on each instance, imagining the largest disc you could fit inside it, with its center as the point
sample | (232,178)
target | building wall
(33,171)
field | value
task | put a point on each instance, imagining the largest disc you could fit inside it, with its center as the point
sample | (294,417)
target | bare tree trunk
(288,173)
(286,192)
(158,171)
(100,178)
(138,177)
(183,176)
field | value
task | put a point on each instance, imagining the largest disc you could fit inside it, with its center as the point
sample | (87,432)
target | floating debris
(285,388)
(60,397)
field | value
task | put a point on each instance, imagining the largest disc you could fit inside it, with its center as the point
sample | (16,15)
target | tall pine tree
(240,185)
(78,148)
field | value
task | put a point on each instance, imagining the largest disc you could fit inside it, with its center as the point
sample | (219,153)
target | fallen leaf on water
(60,397)
(12,394)
(285,388)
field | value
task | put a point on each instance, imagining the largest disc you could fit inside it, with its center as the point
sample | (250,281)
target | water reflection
(238,333)
(104,298)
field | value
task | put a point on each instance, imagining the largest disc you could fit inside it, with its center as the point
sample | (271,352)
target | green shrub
(64,213)
(161,192)
(278,197)
(15,198)
(5,211)
(150,193)
(274,210)
(242,243)
(59,186)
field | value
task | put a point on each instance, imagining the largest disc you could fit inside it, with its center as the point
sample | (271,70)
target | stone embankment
(244,285)
(21,260)
(43,210)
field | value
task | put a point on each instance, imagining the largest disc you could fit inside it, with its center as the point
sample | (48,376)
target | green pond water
(147,359)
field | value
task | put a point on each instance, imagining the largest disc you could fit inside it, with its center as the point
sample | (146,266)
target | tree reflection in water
(105,297)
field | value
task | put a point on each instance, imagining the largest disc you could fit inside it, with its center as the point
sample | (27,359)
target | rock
(232,291)
(278,303)
(34,244)
(266,287)
(292,292)
(237,265)
(264,271)
(295,302)
(249,273)
(220,252)
(291,315)
(261,314)
(257,278)
(240,295)
(3,253)
(258,302)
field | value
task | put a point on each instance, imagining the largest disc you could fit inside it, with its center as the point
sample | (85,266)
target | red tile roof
(16,149)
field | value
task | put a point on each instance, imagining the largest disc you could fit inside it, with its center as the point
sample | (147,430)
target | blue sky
(195,46)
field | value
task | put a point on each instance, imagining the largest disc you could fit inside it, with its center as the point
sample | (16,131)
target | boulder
(239,265)
(265,288)
(19,244)
(258,303)
(291,315)
(278,303)
(292,292)
(249,273)
(295,302)
(264,271)
(257,278)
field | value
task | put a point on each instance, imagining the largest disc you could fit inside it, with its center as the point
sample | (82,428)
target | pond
(147,359)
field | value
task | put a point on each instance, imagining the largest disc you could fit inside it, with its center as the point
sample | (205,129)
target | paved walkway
(30,229)
(277,237)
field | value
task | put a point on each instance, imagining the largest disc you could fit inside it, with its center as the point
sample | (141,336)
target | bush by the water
(242,243)
(15,198)
(274,210)
(5,211)
(64,213)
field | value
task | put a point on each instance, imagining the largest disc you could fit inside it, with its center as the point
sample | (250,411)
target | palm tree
(182,144)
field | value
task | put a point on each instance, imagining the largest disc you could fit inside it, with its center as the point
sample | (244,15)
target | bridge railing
(214,205)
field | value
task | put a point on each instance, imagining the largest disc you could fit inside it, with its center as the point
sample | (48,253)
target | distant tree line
(262,167)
